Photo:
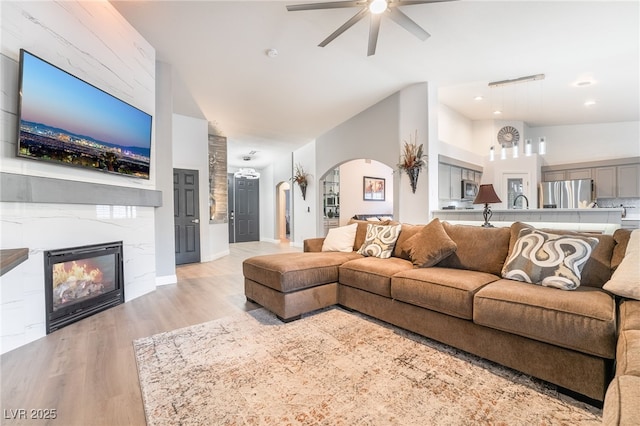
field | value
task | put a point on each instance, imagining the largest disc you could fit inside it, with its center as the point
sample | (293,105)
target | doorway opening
(283,212)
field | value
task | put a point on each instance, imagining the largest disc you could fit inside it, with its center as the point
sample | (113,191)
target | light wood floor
(87,370)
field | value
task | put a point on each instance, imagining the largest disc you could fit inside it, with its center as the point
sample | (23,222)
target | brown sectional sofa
(564,337)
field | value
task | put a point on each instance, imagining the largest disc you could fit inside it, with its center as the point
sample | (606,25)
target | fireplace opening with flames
(82,281)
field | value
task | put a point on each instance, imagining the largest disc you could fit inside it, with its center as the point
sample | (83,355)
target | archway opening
(283,212)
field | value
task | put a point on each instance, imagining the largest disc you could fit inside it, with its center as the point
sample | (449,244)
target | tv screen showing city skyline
(66,120)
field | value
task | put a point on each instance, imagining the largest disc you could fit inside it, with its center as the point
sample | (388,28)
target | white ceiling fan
(376,9)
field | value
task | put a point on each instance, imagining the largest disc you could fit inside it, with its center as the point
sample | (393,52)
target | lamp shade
(486,194)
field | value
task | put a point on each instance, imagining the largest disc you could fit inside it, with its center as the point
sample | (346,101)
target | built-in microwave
(469,189)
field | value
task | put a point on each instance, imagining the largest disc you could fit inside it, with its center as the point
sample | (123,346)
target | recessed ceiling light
(497,112)
(584,83)
(478,98)
(589,103)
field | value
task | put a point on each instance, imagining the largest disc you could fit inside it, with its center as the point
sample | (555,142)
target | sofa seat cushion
(583,320)
(445,290)
(372,274)
(622,403)
(286,272)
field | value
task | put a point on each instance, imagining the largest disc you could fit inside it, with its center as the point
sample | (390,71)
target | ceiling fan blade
(408,24)
(374,29)
(326,5)
(412,2)
(358,16)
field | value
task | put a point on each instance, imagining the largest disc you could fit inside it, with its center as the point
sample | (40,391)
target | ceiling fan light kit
(376,9)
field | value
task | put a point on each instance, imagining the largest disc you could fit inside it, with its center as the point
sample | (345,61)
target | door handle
(196,221)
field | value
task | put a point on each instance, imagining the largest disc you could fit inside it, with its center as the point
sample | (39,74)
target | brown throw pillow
(430,245)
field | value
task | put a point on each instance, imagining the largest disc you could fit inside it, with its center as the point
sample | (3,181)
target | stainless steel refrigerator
(566,194)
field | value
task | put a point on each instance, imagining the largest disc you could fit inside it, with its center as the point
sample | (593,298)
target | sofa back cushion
(597,270)
(361,231)
(479,249)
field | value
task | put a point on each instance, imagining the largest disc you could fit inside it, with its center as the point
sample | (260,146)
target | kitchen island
(601,220)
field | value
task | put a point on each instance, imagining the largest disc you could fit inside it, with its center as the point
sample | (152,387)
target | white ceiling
(273,105)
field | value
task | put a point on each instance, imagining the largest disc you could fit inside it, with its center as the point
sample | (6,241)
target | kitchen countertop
(480,209)
(605,220)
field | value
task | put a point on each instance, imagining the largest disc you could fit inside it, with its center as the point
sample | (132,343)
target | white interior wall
(191,151)
(415,115)
(305,212)
(268,202)
(588,142)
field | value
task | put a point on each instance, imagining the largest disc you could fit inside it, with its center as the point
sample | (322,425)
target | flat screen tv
(65,120)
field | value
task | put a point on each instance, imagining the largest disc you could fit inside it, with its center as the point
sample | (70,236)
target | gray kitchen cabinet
(578,174)
(456,183)
(444,181)
(553,176)
(451,173)
(629,180)
(617,178)
(605,181)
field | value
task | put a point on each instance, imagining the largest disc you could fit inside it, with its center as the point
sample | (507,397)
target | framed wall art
(373,188)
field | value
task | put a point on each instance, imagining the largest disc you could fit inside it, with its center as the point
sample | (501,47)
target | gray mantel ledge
(18,188)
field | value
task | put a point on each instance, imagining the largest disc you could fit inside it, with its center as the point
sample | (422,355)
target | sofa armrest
(313,244)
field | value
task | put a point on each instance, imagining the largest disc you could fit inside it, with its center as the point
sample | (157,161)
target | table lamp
(486,195)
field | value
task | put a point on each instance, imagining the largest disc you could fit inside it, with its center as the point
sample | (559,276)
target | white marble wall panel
(42,227)
(90,40)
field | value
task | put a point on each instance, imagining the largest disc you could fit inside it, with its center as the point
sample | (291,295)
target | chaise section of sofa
(296,283)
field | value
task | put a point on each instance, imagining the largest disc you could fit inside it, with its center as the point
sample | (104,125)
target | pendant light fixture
(542,145)
(528,145)
(527,148)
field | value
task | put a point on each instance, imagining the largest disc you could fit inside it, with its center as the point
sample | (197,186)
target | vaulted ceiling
(272,105)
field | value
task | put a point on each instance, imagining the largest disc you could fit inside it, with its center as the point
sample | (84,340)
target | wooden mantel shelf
(10,258)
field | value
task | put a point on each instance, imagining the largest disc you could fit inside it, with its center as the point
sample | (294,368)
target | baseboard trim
(166,280)
(216,256)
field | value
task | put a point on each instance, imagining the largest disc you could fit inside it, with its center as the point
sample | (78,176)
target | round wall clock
(508,135)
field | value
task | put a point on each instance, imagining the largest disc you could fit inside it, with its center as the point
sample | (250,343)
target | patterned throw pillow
(548,259)
(380,240)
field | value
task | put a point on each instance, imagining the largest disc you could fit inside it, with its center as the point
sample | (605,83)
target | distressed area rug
(333,368)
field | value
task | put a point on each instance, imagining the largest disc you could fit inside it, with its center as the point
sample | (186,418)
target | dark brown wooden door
(186,216)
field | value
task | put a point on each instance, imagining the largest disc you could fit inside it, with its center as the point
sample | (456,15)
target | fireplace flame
(74,274)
